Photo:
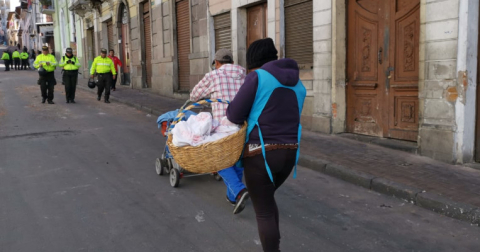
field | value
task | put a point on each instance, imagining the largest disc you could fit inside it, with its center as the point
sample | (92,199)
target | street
(81,177)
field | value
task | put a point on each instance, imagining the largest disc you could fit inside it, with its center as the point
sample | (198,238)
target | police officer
(47,77)
(105,70)
(16,59)
(70,66)
(6,59)
(24,56)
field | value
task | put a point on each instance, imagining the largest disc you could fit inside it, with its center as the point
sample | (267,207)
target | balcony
(47,7)
(81,7)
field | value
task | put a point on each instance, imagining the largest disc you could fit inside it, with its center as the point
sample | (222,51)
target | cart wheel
(217,177)
(159,167)
(174,177)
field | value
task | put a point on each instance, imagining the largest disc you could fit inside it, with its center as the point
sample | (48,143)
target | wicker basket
(212,156)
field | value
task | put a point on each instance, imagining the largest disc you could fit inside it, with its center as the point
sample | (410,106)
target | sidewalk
(452,190)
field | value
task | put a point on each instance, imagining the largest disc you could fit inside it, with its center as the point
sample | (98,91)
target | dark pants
(12,63)
(7,65)
(262,192)
(25,64)
(70,81)
(47,84)
(114,82)
(104,83)
(17,63)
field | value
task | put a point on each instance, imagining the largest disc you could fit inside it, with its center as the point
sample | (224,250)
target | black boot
(68,101)
(51,102)
(72,101)
(107,101)
(99,98)
(43,100)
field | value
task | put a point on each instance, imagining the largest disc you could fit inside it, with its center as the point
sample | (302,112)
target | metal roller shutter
(183,44)
(110,34)
(299,32)
(223,31)
(148,43)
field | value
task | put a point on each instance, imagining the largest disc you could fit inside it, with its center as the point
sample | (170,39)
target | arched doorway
(124,45)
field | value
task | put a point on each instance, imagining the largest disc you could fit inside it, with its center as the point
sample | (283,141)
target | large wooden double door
(382,68)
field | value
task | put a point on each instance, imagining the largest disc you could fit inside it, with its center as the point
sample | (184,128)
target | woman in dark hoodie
(271,101)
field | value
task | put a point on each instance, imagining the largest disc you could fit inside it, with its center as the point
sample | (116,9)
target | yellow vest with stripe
(43,59)
(69,67)
(5,56)
(102,65)
(24,55)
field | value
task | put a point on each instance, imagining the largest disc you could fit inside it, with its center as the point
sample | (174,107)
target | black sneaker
(51,102)
(68,101)
(242,197)
(72,101)
(229,201)
(43,100)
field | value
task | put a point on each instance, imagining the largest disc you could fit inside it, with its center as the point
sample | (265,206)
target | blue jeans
(232,177)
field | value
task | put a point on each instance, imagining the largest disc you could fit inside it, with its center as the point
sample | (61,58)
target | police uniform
(70,66)
(6,59)
(47,81)
(24,58)
(16,59)
(104,68)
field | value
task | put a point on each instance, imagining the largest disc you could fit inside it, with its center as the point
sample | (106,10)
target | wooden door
(256,23)
(110,35)
(183,44)
(382,71)
(147,44)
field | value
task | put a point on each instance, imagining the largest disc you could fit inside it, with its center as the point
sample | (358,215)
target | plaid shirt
(222,83)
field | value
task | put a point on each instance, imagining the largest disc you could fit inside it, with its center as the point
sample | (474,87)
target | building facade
(401,69)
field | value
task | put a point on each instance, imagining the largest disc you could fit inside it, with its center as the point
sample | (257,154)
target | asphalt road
(80,177)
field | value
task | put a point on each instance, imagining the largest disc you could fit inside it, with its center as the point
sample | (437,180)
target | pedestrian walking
(271,101)
(70,66)
(32,59)
(105,70)
(24,57)
(12,64)
(46,64)
(16,59)
(117,62)
(223,83)
(6,60)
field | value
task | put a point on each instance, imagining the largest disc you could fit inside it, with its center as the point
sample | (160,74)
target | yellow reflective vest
(15,55)
(24,55)
(102,65)
(69,67)
(43,59)
(5,56)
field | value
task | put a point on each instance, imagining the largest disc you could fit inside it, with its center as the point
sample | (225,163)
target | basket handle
(181,112)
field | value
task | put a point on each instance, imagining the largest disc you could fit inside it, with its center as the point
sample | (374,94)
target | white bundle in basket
(200,129)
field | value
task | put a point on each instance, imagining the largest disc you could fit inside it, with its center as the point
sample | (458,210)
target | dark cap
(104,50)
(261,52)
(224,55)
(44,48)
(69,50)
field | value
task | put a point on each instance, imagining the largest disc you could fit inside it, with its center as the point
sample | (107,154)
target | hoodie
(280,118)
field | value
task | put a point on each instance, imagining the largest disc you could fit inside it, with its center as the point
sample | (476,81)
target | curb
(419,197)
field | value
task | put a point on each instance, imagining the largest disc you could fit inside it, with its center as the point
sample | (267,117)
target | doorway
(382,68)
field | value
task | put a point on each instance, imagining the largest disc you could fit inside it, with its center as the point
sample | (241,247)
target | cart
(166,163)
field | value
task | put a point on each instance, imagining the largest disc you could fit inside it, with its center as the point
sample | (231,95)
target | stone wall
(437,89)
